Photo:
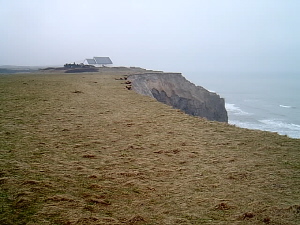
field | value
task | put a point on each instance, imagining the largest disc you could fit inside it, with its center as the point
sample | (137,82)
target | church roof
(91,61)
(102,60)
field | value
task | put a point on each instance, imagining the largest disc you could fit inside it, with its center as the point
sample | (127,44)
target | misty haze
(85,138)
(221,45)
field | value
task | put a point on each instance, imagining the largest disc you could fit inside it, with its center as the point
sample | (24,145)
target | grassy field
(82,149)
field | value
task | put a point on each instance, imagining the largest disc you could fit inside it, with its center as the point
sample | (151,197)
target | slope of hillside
(82,149)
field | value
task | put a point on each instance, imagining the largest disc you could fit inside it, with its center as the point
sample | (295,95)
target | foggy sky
(170,35)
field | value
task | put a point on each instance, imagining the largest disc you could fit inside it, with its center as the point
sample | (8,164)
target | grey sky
(171,35)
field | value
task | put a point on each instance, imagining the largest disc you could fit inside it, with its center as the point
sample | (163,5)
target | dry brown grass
(82,149)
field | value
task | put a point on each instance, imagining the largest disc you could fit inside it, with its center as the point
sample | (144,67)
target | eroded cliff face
(173,89)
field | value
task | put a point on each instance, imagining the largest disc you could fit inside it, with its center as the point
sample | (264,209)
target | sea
(268,102)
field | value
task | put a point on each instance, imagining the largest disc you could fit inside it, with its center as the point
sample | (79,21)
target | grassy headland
(82,149)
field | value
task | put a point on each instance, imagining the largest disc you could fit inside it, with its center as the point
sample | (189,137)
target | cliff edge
(174,90)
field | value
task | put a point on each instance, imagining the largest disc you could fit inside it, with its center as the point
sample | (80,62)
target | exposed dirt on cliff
(82,149)
(174,90)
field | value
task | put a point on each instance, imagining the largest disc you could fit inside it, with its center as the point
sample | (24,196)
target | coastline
(81,148)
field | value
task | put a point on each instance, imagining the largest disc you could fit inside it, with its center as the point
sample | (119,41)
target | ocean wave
(280,124)
(243,124)
(232,108)
(211,91)
(290,129)
(286,106)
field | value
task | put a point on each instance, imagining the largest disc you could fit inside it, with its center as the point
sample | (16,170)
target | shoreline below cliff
(263,101)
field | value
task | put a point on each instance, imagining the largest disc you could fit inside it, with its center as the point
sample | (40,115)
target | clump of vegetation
(103,154)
